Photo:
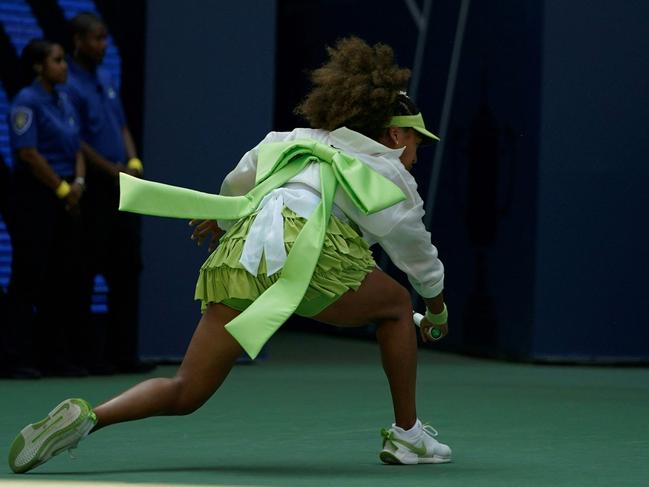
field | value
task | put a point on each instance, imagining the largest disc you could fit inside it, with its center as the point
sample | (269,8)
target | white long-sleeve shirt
(399,229)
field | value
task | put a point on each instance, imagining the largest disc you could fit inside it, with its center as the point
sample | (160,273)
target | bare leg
(208,360)
(381,300)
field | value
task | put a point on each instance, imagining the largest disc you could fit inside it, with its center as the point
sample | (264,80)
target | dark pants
(47,309)
(114,252)
(4,304)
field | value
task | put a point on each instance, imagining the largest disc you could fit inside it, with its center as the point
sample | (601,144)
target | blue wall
(484,218)
(539,213)
(209,98)
(592,254)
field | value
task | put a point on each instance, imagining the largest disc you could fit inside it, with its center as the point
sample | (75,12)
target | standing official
(47,311)
(114,237)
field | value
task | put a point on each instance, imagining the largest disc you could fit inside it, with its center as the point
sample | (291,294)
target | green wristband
(437,319)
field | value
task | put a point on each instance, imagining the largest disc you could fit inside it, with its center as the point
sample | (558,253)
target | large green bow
(278,162)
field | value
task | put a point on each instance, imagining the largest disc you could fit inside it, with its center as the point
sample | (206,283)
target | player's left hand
(427,327)
(204,229)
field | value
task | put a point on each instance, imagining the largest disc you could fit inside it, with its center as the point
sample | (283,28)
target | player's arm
(435,305)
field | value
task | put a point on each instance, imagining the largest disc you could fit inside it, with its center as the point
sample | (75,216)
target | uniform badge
(111,92)
(21,119)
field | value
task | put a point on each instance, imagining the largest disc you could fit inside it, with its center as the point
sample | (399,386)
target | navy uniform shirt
(48,123)
(96,99)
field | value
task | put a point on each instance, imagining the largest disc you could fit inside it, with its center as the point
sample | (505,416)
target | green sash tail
(278,162)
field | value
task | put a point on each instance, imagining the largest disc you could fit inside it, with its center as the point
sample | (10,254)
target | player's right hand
(426,327)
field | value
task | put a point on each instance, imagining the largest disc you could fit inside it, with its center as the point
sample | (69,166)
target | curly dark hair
(359,87)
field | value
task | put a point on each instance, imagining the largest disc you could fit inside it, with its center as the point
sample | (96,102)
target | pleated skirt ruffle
(343,264)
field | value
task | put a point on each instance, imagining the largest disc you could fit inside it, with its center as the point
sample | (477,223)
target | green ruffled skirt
(344,262)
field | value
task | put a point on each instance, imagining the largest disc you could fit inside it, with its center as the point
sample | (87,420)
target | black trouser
(47,309)
(114,252)
(4,305)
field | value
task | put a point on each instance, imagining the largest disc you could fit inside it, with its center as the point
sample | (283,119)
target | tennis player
(299,212)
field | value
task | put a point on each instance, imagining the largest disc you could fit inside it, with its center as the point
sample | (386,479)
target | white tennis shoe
(61,430)
(420,447)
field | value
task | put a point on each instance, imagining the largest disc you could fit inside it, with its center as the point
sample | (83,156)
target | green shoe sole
(389,458)
(61,430)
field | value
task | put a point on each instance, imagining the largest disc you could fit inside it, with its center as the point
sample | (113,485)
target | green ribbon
(277,163)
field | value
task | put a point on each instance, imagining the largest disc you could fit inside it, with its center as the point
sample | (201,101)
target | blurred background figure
(113,237)
(4,304)
(46,305)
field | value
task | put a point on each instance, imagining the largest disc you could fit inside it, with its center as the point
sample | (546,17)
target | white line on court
(91,483)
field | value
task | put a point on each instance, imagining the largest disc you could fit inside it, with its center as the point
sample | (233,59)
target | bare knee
(188,397)
(394,306)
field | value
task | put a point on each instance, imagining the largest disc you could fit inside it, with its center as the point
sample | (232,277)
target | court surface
(310,415)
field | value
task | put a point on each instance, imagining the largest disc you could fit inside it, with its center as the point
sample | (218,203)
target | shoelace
(387,434)
(429,430)
(75,445)
(72,447)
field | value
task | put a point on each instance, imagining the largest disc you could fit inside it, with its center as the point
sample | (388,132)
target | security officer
(47,182)
(109,148)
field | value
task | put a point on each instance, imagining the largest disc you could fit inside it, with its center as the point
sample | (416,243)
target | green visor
(415,122)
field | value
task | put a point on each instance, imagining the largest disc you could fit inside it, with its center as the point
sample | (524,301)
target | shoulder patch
(21,119)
